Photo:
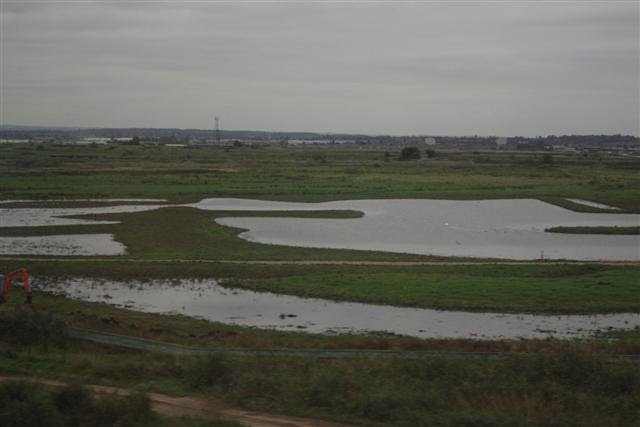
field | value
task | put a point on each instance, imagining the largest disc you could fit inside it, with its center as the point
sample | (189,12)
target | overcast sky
(439,68)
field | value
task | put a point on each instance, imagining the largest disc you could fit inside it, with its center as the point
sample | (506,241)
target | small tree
(430,153)
(410,153)
(547,159)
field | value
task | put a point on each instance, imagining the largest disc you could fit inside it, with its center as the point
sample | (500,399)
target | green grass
(294,174)
(615,290)
(596,230)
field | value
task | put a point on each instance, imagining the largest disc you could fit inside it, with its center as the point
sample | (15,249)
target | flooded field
(38,217)
(507,229)
(67,245)
(208,300)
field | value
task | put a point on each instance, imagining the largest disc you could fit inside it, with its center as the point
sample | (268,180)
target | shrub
(121,412)
(410,153)
(212,370)
(26,405)
(31,405)
(27,327)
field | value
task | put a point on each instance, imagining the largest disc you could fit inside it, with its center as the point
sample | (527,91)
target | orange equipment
(7,284)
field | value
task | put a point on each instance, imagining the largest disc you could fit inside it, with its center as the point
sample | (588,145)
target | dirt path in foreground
(323,262)
(195,407)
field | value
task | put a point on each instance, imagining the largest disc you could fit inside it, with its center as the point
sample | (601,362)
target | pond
(506,229)
(208,300)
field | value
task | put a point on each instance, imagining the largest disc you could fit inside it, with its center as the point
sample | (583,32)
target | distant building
(429,140)
(501,141)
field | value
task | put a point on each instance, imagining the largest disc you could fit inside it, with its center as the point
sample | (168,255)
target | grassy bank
(524,289)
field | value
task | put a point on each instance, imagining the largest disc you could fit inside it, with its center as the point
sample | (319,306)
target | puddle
(507,229)
(206,299)
(593,204)
(65,245)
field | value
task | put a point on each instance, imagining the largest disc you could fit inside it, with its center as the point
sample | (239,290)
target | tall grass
(27,327)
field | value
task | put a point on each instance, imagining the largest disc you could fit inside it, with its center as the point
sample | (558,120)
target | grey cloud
(459,68)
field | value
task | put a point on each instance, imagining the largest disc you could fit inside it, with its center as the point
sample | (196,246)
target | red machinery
(24,274)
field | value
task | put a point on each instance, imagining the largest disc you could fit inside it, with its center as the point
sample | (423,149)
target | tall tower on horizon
(217,120)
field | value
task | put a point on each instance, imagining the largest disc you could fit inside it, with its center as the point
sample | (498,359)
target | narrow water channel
(206,299)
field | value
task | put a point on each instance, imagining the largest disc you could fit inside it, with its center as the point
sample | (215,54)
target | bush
(410,153)
(31,405)
(212,370)
(119,411)
(26,405)
(27,327)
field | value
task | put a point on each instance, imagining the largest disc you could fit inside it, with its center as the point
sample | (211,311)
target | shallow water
(78,200)
(64,245)
(38,217)
(507,229)
(206,299)
(593,204)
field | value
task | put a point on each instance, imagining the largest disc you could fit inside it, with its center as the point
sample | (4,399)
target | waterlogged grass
(308,174)
(193,332)
(550,288)
(596,230)
(615,290)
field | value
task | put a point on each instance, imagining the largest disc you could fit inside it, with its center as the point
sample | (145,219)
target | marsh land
(590,380)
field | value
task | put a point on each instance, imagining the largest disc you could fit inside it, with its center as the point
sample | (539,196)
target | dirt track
(195,407)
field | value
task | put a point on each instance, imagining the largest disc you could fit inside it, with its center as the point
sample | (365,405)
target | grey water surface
(65,245)
(507,229)
(593,204)
(40,217)
(208,300)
